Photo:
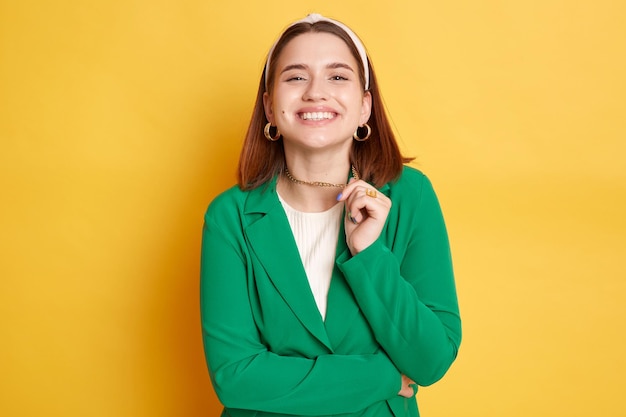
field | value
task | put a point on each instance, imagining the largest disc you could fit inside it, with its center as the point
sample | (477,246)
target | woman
(326,280)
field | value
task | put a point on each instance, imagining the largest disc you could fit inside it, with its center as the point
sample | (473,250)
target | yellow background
(120,120)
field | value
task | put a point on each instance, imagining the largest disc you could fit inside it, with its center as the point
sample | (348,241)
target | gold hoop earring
(367,136)
(268,135)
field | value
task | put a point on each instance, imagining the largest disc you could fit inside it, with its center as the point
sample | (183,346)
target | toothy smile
(321,115)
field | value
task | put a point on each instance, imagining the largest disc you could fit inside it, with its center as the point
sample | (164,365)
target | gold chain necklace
(355,174)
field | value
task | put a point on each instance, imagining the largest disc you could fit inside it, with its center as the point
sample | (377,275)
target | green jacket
(392,309)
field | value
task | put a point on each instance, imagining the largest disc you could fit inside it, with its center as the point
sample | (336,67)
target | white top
(316,237)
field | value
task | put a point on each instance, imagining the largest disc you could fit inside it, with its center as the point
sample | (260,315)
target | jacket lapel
(341,308)
(271,239)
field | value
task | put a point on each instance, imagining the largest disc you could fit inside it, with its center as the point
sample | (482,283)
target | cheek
(280,106)
(354,99)
(282,114)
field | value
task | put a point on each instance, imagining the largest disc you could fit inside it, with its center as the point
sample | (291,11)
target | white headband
(312,18)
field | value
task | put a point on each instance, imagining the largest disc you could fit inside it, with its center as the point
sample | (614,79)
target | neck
(312,198)
(320,183)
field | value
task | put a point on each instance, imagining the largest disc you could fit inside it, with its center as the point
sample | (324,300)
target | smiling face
(317,100)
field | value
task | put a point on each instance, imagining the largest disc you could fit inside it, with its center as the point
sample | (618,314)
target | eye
(295,78)
(338,78)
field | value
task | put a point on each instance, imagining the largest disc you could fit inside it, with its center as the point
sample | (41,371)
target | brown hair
(378,160)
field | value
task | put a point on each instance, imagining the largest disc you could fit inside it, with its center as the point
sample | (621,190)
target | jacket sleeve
(407,292)
(246,375)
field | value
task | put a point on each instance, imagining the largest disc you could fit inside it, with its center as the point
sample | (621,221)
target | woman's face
(317,100)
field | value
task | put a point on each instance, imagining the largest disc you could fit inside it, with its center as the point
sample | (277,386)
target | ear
(366,108)
(267,105)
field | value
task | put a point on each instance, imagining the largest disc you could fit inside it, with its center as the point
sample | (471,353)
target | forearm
(329,384)
(422,340)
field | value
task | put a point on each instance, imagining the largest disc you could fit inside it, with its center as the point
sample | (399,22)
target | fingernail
(352,219)
(339,196)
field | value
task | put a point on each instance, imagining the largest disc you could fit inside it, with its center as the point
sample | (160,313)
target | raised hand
(366,213)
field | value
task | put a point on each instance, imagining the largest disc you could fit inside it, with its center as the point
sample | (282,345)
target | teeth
(321,115)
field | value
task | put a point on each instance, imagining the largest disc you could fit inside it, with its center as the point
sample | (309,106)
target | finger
(351,218)
(355,208)
(347,190)
(361,201)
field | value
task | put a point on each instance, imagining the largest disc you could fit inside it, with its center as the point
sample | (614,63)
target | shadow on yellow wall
(120,121)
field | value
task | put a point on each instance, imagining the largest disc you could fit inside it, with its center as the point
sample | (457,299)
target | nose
(315,90)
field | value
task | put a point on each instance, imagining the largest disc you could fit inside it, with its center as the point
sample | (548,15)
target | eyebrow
(332,65)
